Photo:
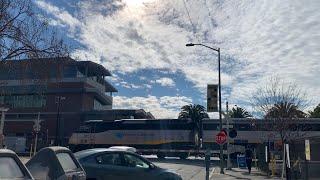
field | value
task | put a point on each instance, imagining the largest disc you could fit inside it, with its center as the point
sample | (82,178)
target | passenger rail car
(177,136)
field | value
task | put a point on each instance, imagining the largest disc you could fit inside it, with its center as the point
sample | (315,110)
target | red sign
(221,137)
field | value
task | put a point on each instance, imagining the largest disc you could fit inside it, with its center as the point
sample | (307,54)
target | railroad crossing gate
(221,137)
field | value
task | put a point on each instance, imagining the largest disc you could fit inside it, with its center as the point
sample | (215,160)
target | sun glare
(136,3)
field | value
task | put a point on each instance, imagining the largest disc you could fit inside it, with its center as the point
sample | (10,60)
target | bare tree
(25,34)
(281,105)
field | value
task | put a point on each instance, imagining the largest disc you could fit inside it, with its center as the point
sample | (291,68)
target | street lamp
(219,77)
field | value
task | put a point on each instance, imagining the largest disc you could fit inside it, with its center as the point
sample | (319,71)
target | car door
(105,166)
(136,167)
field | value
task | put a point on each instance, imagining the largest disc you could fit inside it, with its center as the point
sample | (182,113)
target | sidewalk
(237,173)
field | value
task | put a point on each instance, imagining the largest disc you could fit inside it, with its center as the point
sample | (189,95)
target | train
(177,137)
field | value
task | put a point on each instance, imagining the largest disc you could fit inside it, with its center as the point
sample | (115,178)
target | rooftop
(88,67)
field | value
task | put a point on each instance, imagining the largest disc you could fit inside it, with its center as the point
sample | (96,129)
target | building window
(69,71)
(23,101)
(99,106)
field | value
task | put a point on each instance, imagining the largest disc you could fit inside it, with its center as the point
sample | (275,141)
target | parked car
(55,163)
(11,167)
(120,164)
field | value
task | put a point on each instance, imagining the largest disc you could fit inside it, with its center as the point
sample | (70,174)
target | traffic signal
(233,133)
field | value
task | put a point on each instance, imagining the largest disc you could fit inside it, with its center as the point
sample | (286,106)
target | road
(190,169)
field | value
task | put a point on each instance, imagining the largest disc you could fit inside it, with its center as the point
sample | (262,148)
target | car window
(109,159)
(9,168)
(134,161)
(66,162)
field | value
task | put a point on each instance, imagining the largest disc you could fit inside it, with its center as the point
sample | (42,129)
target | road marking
(211,173)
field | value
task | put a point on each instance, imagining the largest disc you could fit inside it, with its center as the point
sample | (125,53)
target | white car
(11,167)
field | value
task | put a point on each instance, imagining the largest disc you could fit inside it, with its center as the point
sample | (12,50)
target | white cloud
(160,107)
(257,39)
(165,81)
(62,17)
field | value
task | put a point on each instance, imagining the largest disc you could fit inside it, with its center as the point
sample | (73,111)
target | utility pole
(36,129)
(58,138)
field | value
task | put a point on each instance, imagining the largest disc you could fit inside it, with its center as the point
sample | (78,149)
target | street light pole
(220,112)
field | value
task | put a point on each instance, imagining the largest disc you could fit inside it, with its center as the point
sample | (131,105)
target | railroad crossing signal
(221,137)
(212,98)
(37,125)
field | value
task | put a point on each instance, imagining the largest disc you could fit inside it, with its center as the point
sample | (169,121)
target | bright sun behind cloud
(136,3)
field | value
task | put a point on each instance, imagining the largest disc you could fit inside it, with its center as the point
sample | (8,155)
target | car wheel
(161,155)
(183,155)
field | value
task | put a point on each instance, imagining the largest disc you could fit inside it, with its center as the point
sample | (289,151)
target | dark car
(11,167)
(55,163)
(117,164)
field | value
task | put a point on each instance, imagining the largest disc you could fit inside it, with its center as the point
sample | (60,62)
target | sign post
(207,162)
(36,128)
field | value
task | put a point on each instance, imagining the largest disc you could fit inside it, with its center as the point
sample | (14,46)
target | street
(190,169)
(194,169)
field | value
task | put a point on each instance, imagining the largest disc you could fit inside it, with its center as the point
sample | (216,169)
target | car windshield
(66,162)
(9,169)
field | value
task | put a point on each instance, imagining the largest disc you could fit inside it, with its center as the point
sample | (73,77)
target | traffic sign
(221,137)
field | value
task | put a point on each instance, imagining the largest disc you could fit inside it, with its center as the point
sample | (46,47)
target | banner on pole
(212,98)
(307,149)
(266,152)
(288,155)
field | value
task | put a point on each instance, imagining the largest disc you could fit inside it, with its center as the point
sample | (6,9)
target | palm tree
(196,113)
(282,117)
(239,112)
(315,113)
(285,110)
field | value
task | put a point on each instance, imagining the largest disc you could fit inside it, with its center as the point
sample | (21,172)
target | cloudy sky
(142,42)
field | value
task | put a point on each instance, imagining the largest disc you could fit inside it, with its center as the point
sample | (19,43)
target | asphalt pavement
(194,169)
(190,169)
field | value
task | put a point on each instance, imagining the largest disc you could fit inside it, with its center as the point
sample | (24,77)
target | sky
(142,43)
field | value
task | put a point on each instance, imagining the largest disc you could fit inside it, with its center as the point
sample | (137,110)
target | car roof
(89,152)
(57,148)
(12,154)
(124,148)
(6,151)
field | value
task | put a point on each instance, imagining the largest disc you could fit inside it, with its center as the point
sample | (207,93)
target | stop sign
(221,137)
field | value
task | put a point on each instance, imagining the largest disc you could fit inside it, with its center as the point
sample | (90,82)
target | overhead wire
(194,28)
